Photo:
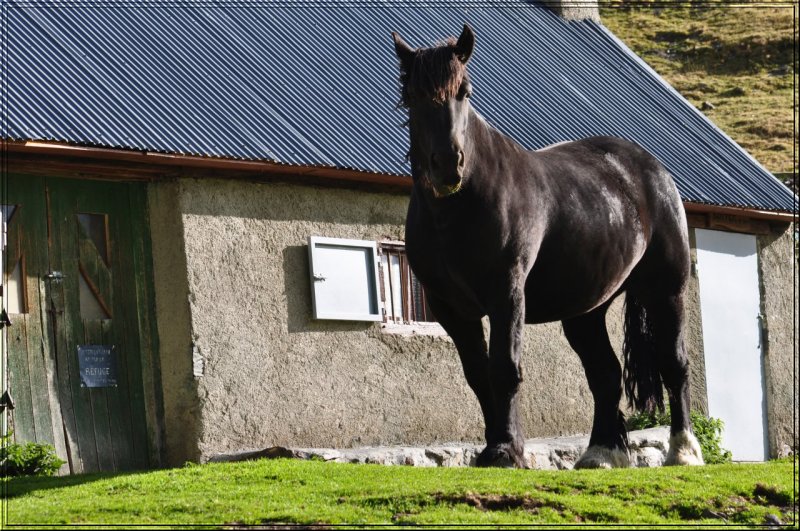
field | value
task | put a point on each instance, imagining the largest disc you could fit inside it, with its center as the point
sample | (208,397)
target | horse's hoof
(684,450)
(501,456)
(602,457)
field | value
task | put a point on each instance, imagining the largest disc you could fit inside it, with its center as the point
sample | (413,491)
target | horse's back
(620,170)
(612,206)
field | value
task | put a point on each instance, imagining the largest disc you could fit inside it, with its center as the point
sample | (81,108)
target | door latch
(319,278)
(55,276)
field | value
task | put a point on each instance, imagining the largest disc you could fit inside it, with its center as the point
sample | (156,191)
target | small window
(13,285)
(8,213)
(402,294)
(14,290)
(95,228)
(344,279)
(91,303)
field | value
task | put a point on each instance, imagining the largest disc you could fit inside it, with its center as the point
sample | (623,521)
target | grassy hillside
(314,493)
(737,59)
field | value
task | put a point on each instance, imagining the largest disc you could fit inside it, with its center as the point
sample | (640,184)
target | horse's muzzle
(444,190)
(446,172)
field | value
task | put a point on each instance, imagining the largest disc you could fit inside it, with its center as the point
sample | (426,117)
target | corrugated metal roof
(315,83)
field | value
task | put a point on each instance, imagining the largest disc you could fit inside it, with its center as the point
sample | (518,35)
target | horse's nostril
(460,159)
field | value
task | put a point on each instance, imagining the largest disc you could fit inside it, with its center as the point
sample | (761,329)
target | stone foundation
(648,448)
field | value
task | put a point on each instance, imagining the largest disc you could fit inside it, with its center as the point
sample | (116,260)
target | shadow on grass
(20,486)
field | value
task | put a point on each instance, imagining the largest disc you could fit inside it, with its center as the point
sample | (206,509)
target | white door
(727,268)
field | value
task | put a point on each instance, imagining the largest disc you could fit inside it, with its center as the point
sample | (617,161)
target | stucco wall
(274,376)
(778,272)
(693,336)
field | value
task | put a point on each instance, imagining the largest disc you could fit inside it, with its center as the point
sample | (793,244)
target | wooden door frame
(148,329)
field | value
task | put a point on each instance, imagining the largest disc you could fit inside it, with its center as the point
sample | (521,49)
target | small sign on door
(97,365)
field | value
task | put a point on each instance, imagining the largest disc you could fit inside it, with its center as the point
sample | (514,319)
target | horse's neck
(491,151)
(488,142)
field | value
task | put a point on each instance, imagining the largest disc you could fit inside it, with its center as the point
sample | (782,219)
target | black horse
(549,235)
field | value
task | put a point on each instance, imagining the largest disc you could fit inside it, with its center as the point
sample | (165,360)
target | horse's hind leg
(608,445)
(665,317)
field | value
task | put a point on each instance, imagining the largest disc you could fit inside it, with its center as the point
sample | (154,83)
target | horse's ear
(404,52)
(465,44)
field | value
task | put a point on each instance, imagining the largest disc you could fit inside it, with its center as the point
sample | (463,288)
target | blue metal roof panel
(315,83)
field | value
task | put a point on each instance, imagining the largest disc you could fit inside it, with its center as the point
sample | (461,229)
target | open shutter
(344,279)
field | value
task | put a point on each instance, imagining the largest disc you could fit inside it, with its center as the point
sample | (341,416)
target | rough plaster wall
(274,376)
(778,270)
(693,337)
(181,413)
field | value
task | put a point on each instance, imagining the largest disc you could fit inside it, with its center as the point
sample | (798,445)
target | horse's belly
(554,294)
(558,309)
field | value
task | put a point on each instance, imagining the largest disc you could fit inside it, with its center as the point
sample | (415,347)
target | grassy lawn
(738,59)
(273,492)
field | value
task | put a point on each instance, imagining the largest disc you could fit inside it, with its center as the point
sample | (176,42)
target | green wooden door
(75,278)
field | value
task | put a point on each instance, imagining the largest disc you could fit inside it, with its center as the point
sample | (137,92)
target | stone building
(166,169)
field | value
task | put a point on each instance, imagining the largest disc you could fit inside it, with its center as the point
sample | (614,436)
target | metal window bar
(396,283)
(418,300)
(404,297)
(405,287)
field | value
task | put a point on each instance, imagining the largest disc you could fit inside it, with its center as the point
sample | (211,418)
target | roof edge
(753,213)
(324,173)
(37,147)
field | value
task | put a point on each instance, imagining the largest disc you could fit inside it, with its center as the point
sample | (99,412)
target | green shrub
(28,459)
(708,431)
(641,420)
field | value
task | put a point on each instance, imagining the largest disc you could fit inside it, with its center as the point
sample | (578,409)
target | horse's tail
(643,386)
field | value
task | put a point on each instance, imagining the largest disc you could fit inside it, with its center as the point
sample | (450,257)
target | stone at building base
(648,448)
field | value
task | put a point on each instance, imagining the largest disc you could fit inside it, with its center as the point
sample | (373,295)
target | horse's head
(436,92)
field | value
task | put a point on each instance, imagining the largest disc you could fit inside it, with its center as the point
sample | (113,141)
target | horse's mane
(435,74)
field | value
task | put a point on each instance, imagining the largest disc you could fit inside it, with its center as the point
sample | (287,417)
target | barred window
(402,294)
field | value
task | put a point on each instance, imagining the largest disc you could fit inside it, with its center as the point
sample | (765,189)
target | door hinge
(6,402)
(4,319)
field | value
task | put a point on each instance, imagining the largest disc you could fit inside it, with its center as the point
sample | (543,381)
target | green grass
(739,59)
(272,492)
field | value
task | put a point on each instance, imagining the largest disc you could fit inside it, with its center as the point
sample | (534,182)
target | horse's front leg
(468,337)
(505,446)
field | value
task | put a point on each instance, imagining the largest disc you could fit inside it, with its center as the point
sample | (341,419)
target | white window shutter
(344,279)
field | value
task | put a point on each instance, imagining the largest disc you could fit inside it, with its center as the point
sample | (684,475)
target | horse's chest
(453,273)
(469,268)
(456,254)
